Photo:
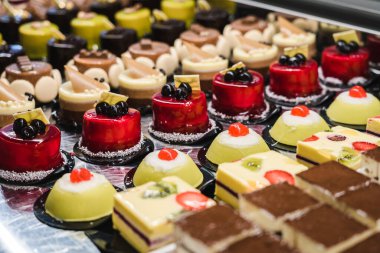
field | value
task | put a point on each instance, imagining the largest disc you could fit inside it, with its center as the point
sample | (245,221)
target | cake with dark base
(9,27)
(117,40)
(9,54)
(167,31)
(106,8)
(62,16)
(214,18)
(373,46)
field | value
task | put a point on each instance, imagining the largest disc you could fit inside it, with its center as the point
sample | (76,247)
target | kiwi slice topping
(252,163)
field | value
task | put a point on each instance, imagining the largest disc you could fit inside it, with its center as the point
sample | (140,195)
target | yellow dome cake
(234,144)
(80,196)
(354,107)
(167,162)
(296,125)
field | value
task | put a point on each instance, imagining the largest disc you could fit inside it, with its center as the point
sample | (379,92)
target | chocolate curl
(197,53)
(139,70)
(8,94)
(288,27)
(248,44)
(81,83)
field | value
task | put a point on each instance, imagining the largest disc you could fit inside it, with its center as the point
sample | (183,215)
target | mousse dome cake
(80,196)
(234,144)
(167,162)
(31,146)
(354,107)
(296,125)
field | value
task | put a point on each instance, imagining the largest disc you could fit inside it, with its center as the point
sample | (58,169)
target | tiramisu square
(371,163)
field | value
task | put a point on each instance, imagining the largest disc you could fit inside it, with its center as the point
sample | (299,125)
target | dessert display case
(239,113)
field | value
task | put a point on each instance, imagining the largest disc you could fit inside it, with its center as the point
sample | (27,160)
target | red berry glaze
(80,175)
(363,146)
(238,129)
(167,154)
(300,111)
(357,92)
(279,176)
(192,201)
(311,138)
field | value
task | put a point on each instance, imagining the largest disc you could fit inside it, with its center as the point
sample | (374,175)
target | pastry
(254,172)
(371,163)
(61,14)
(136,18)
(166,30)
(78,95)
(117,40)
(325,34)
(140,82)
(373,125)
(238,94)
(167,162)
(12,102)
(296,125)
(353,107)
(32,147)
(154,54)
(61,51)
(234,144)
(202,63)
(346,63)
(179,9)
(216,18)
(212,230)
(89,25)
(80,196)
(98,64)
(34,77)
(207,39)
(324,229)
(302,23)
(107,8)
(249,27)
(111,129)
(151,228)
(271,206)
(373,45)
(370,245)
(340,144)
(34,37)
(8,54)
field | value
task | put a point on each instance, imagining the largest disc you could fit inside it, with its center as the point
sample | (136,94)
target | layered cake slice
(212,230)
(144,214)
(324,230)
(254,172)
(370,245)
(270,206)
(340,144)
(330,180)
(371,163)
(373,126)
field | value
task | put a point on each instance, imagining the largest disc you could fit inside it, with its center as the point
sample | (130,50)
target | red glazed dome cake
(31,147)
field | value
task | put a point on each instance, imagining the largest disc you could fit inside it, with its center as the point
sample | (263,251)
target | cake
(106,8)
(98,64)
(78,95)
(330,180)
(61,14)
(346,63)
(9,54)
(80,196)
(140,83)
(166,30)
(250,27)
(154,54)
(370,245)
(296,125)
(271,206)
(238,94)
(216,18)
(373,125)
(135,17)
(309,25)
(353,107)
(234,144)
(207,39)
(202,63)
(32,147)
(89,25)
(180,109)
(212,230)
(112,128)
(326,31)
(373,44)
(34,77)
(167,162)
(371,163)
(254,172)
(182,10)
(323,229)
(12,102)
(340,144)
(34,37)
(151,228)
(117,40)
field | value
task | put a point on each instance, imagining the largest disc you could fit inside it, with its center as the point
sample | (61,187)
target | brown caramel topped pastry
(148,48)
(199,35)
(94,59)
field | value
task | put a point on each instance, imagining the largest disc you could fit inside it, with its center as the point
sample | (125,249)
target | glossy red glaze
(40,154)
(291,82)
(238,98)
(180,116)
(344,66)
(373,46)
(101,133)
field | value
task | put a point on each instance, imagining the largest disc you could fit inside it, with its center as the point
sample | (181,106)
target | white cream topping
(96,180)
(162,165)
(292,120)
(255,55)
(143,83)
(288,40)
(10,107)
(205,65)
(67,93)
(251,139)
(346,98)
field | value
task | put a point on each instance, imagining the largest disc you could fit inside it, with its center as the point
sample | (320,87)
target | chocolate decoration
(215,18)
(94,59)
(370,245)
(373,154)
(106,8)
(94,54)
(62,17)
(249,23)
(8,94)
(157,49)
(24,63)
(327,226)
(40,69)
(146,44)
(81,82)
(280,199)
(118,40)
(225,223)
(168,31)
(333,177)
(9,54)
(9,27)
(199,35)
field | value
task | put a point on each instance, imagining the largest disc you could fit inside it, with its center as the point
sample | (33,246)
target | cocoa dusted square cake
(270,206)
